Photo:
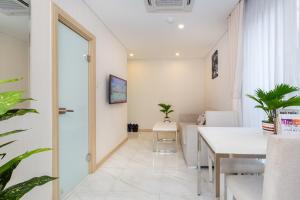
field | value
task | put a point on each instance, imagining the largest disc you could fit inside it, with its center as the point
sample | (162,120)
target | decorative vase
(268,127)
(167,119)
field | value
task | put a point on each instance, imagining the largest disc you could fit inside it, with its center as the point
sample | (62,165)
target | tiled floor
(134,172)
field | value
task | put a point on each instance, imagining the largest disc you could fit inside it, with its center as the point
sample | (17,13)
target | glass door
(73,108)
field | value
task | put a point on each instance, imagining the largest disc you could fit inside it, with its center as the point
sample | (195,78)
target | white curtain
(271,53)
(235,35)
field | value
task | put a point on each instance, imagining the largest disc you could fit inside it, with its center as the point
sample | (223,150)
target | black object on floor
(129,127)
(132,127)
(135,127)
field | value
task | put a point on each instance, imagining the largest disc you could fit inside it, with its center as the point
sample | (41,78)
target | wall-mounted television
(117,90)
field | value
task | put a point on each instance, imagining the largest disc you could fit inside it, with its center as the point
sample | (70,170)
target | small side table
(164,127)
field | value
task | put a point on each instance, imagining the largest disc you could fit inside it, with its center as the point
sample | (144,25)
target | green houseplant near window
(166,109)
(271,101)
(8,101)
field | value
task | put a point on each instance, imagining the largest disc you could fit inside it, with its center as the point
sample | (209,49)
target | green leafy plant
(166,109)
(270,101)
(8,102)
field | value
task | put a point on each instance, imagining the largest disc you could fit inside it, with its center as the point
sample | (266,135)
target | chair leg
(227,193)
(230,196)
(210,171)
(225,187)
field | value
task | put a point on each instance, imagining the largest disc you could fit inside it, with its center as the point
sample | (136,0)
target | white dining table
(230,142)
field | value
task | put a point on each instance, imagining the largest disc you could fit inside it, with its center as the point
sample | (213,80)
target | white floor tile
(134,172)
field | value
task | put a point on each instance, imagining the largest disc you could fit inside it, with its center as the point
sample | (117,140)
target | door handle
(63,111)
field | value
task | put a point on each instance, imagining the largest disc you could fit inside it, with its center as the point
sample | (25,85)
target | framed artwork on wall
(215,62)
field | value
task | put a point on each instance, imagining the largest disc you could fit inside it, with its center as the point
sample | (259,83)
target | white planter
(268,127)
(167,119)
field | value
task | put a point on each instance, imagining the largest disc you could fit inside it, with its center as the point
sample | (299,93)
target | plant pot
(268,127)
(167,119)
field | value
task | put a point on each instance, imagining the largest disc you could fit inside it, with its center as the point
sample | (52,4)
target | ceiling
(149,35)
(17,26)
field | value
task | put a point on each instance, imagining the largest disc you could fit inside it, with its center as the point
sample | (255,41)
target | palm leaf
(261,107)
(7,169)
(2,155)
(18,191)
(170,111)
(162,105)
(162,110)
(165,107)
(274,99)
(261,94)
(255,99)
(10,80)
(11,132)
(16,112)
(7,143)
(281,90)
(8,100)
(293,101)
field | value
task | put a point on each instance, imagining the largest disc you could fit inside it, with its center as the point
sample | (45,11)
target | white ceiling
(15,26)
(149,35)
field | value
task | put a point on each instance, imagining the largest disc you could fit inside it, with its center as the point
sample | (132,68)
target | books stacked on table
(289,122)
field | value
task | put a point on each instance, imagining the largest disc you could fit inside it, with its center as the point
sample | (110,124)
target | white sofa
(189,133)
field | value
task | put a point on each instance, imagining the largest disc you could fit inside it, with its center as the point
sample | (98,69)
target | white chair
(234,165)
(281,180)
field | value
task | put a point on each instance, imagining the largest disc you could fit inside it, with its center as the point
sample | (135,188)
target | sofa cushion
(189,118)
(201,119)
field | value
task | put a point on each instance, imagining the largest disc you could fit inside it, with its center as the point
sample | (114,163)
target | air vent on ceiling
(14,7)
(169,5)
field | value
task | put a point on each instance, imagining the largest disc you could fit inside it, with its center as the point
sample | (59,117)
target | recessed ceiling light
(181,26)
(131,54)
(177,54)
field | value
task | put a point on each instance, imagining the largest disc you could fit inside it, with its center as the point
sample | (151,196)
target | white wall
(179,82)
(218,91)
(111,119)
(14,61)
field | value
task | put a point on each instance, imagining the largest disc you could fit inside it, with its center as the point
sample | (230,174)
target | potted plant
(166,109)
(8,101)
(271,101)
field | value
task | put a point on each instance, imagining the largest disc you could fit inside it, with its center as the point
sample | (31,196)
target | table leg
(157,139)
(199,166)
(210,169)
(153,141)
(217,176)
(176,139)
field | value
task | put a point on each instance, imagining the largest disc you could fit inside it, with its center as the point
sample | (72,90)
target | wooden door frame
(58,15)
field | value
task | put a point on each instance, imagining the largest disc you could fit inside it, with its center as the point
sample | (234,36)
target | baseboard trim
(145,130)
(98,165)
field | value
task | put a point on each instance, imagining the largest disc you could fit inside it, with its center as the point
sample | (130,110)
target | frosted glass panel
(73,95)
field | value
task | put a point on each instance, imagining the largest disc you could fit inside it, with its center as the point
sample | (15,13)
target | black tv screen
(117,90)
